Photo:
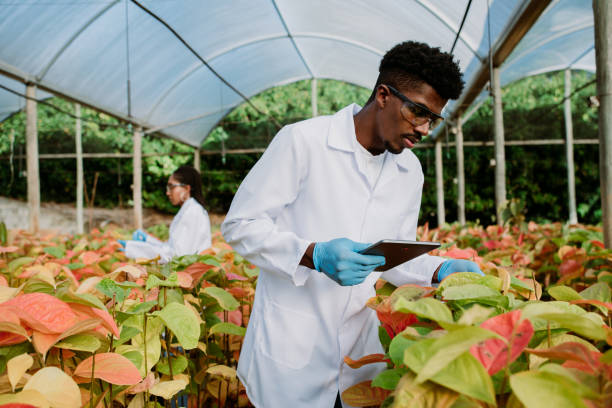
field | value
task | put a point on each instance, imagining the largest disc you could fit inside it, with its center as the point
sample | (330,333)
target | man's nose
(422,130)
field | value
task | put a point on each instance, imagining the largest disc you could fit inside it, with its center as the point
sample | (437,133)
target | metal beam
(569,149)
(515,30)
(500,155)
(33,174)
(137,174)
(460,174)
(440,183)
(602,10)
(79,166)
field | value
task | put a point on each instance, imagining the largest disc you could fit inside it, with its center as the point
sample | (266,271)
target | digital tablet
(398,252)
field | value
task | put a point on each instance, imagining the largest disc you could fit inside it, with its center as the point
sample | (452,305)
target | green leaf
(153,281)
(127,333)
(80,342)
(428,308)
(540,389)
(598,291)
(388,379)
(225,299)
(464,374)
(182,322)
(135,357)
(3,234)
(110,288)
(450,346)
(397,348)
(564,293)
(228,328)
(516,283)
(139,308)
(179,364)
(15,264)
(383,336)
(458,279)
(469,291)
(585,327)
(87,299)
(33,285)
(73,266)
(55,251)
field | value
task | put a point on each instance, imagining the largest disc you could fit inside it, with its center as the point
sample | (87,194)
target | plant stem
(146,403)
(91,389)
(102,393)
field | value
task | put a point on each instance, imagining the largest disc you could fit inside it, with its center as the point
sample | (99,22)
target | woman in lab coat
(190,229)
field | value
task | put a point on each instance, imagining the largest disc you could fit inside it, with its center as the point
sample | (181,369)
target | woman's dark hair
(190,176)
(409,64)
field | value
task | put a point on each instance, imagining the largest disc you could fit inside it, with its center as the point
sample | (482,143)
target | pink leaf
(233,276)
(42,312)
(8,249)
(110,367)
(89,257)
(107,320)
(184,279)
(493,353)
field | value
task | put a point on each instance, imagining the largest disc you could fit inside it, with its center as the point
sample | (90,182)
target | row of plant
(533,332)
(82,326)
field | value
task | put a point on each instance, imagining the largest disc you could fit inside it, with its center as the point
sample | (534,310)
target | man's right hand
(341,261)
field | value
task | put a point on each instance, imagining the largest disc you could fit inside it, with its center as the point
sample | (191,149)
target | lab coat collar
(342,133)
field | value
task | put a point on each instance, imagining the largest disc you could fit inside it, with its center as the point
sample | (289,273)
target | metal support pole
(32,158)
(500,156)
(439,183)
(313,96)
(602,11)
(196,159)
(79,166)
(137,184)
(569,148)
(460,173)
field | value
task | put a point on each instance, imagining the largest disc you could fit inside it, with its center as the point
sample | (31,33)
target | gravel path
(62,217)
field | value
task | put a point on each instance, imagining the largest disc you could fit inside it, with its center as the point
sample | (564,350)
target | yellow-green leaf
(182,322)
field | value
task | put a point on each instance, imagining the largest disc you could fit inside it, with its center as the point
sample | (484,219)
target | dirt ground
(62,217)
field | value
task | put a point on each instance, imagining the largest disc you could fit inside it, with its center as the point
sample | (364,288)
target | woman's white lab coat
(189,234)
(308,187)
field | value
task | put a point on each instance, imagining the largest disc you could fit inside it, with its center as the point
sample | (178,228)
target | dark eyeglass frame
(170,186)
(420,114)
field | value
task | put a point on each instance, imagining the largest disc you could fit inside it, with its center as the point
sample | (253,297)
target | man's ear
(382,94)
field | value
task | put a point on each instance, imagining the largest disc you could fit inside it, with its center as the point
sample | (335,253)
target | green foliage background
(532,110)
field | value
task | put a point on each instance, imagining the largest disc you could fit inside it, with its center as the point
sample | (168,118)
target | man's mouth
(411,139)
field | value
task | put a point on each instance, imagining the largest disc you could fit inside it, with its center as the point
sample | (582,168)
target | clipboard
(397,252)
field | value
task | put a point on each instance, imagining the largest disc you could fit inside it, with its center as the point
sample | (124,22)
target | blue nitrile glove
(122,242)
(457,265)
(139,235)
(341,261)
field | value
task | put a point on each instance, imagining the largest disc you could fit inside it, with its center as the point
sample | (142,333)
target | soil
(62,217)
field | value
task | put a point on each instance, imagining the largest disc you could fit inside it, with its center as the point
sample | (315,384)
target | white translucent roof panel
(80,48)
(10,101)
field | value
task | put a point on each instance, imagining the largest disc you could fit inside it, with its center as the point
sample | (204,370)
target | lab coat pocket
(287,336)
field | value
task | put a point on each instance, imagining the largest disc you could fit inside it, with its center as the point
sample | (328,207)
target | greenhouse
(102,101)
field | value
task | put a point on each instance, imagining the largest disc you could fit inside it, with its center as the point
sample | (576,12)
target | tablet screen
(398,252)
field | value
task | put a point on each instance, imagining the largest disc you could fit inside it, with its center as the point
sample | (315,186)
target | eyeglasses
(416,113)
(170,186)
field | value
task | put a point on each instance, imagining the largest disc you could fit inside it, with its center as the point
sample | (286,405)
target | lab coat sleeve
(153,241)
(271,185)
(419,270)
(190,236)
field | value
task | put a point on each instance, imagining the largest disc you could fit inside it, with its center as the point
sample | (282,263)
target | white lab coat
(308,187)
(189,234)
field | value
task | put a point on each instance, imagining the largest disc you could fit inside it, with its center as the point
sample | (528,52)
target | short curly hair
(411,63)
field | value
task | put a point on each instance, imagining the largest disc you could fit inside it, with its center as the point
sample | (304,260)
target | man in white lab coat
(323,189)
